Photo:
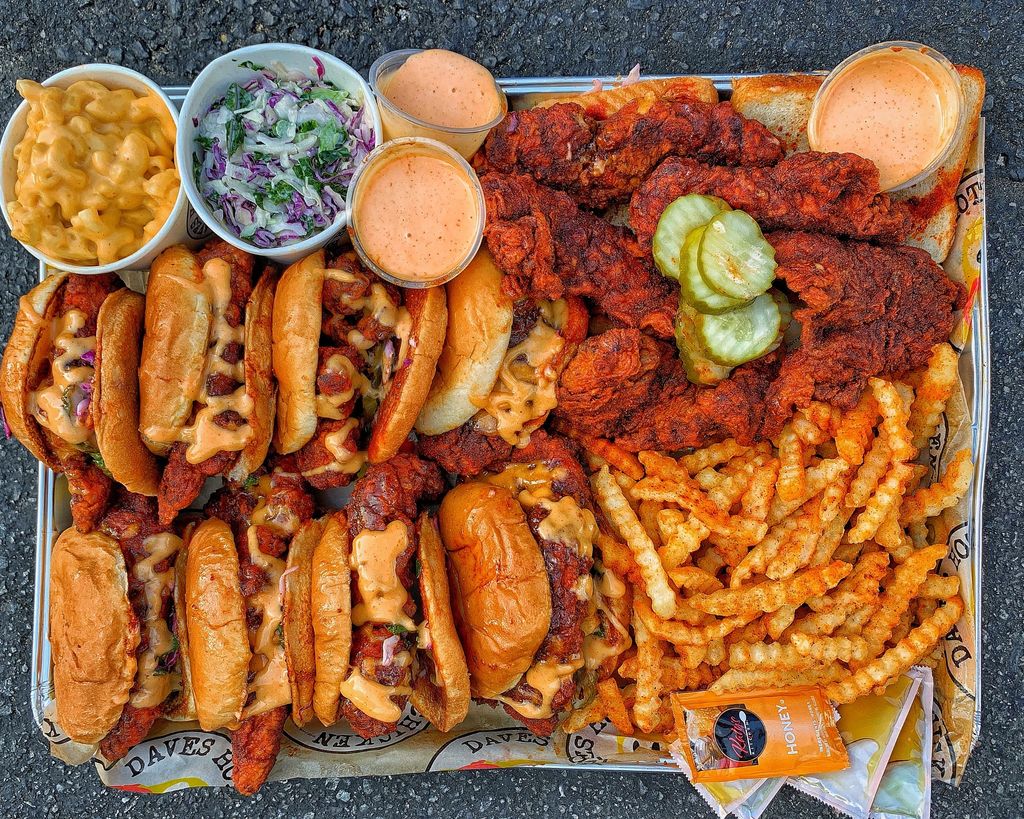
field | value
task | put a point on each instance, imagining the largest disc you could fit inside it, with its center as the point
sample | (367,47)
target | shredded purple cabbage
(274,157)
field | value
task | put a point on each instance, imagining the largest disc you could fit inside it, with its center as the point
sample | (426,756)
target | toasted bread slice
(782,103)
(607,101)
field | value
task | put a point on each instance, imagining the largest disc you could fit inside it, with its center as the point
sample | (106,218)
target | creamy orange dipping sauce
(417,216)
(444,88)
(897,107)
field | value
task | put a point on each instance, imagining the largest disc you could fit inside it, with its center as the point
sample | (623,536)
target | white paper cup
(174,230)
(211,85)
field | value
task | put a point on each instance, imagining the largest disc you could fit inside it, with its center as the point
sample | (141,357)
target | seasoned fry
(649,653)
(792,479)
(765,656)
(709,456)
(778,621)
(872,469)
(895,415)
(772,595)
(622,517)
(683,633)
(689,496)
(831,649)
(749,679)
(906,580)
(592,712)
(886,498)
(648,515)
(938,587)
(943,494)
(757,559)
(757,498)
(675,671)
(937,385)
(856,430)
(818,477)
(891,537)
(681,535)
(614,706)
(911,649)
(695,579)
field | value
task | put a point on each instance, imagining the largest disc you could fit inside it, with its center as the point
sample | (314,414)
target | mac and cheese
(96,177)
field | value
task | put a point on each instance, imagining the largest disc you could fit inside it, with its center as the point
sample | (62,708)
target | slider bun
(259,376)
(446,703)
(411,383)
(178,320)
(499,585)
(185,706)
(94,634)
(26,361)
(115,399)
(331,615)
(479,328)
(298,626)
(297,315)
(218,640)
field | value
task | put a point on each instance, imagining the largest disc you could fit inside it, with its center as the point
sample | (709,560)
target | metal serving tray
(53,513)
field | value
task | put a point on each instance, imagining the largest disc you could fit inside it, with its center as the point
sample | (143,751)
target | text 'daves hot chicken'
(498,372)
(520,554)
(206,391)
(349,348)
(116,606)
(382,620)
(69,388)
(247,609)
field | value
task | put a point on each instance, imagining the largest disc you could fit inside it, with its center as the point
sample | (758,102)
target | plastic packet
(722,797)
(906,788)
(757,803)
(758,734)
(870,727)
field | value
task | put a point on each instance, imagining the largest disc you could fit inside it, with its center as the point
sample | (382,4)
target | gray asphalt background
(171,40)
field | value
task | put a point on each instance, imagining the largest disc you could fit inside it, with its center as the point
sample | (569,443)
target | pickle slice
(735,258)
(699,368)
(676,223)
(740,335)
(693,288)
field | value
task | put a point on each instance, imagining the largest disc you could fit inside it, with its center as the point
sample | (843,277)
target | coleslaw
(274,158)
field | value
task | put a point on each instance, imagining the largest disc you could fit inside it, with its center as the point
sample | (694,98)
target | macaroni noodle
(96,177)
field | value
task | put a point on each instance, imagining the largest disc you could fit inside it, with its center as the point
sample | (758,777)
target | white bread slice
(782,102)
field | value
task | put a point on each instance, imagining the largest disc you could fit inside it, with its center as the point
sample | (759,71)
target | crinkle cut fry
(910,650)
(772,595)
(943,494)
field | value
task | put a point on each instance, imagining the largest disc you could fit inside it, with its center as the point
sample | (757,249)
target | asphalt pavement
(171,41)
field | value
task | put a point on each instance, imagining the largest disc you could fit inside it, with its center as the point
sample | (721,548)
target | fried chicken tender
(255,744)
(548,249)
(870,311)
(824,192)
(867,311)
(602,161)
(628,386)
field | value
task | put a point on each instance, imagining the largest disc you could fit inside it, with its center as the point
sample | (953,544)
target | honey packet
(869,727)
(758,734)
